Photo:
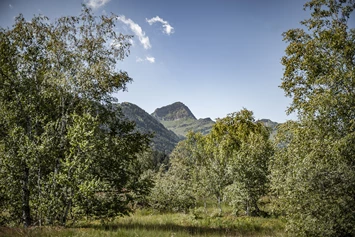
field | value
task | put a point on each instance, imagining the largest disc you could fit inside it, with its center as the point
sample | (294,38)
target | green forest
(71,163)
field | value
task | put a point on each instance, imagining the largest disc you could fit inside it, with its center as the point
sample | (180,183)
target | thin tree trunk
(247,208)
(39,194)
(205,204)
(67,208)
(219,204)
(26,212)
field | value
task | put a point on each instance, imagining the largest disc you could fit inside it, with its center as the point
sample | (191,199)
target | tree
(241,147)
(198,160)
(63,146)
(229,163)
(313,171)
(174,189)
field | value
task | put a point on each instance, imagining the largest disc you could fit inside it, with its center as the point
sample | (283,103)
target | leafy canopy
(65,151)
(313,171)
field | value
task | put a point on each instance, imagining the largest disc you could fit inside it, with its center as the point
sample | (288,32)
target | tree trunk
(251,208)
(219,204)
(247,208)
(26,212)
(68,205)
(205,204)
(67,208)
(39,193)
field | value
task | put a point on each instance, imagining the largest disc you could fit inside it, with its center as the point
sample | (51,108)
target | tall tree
(313,171)
(61,139)
(241,147)
(229,163)
(174,190)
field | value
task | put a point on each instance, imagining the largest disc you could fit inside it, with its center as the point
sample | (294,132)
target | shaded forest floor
(147,223)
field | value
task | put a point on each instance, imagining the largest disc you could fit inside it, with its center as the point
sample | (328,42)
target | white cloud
(168,29)
(94,4)
(137,30)
(10,6)
(150,59)
(147,58)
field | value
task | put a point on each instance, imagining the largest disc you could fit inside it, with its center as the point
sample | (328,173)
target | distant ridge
(164,140)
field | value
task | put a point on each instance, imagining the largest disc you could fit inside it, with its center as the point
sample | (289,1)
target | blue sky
(215,56)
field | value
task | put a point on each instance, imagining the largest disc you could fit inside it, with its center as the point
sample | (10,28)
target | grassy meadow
(151,223)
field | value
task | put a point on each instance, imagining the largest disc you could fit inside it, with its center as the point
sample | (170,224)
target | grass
(148,223)
(182,126)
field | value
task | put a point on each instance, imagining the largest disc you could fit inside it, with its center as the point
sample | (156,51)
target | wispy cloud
(137,30)
(147,58)
(168,29)
(10,6)
(94,4)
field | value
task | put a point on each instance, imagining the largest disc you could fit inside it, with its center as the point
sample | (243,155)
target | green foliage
(314,182)
(313,172)
(65,151)
(240,151)
(230,163)
(173,190)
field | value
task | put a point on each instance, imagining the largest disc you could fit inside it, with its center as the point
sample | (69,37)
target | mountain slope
(178,118)
(271,125)
(164,140)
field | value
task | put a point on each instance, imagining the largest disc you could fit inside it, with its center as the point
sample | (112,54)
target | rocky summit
(178,118)
(173,112)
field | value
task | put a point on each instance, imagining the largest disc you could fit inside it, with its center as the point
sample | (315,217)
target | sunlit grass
(150,223)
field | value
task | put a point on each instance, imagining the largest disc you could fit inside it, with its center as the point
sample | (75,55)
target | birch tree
(313,171)
(62,141)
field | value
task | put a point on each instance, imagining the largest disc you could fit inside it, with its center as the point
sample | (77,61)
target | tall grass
(149,223)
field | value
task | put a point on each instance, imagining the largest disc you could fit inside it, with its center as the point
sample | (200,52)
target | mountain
(164,140)
(178,118)
(171,123)
(173,112)
(270,124)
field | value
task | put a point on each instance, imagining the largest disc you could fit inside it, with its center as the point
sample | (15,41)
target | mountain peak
(173,112)
(164,140)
